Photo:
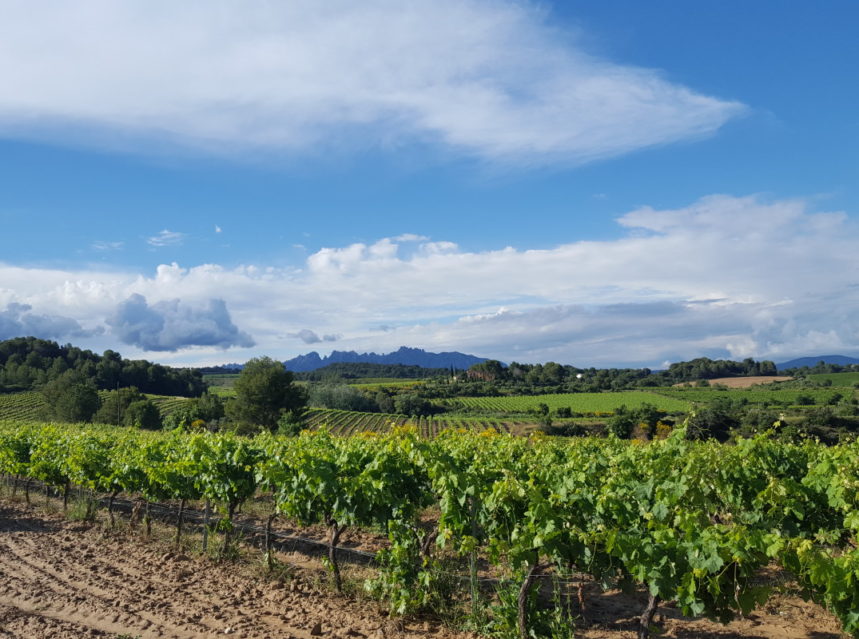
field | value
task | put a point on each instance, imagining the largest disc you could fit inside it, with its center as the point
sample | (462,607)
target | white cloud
(489,78)
(725,276)
(410,237)
(218,229)
(166,238)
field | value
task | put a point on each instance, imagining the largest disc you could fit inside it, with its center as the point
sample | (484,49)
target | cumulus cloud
(725,276)
(18,321)
(491,79)
(172,325)
(166,238)
(310,337)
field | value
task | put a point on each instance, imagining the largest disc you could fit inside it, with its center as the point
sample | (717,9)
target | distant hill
(404,355)
(841,360)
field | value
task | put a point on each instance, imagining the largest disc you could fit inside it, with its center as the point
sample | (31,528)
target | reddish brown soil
(62,580)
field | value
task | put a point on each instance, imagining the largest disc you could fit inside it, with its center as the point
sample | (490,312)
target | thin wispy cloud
(492,80)
(107,246)
(166,238)
(312,337)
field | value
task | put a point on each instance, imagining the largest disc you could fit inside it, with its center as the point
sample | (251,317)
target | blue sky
(616,183)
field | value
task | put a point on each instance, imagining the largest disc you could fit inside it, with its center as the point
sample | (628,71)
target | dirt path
(62,580)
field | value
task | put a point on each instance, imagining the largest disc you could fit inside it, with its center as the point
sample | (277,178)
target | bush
(143,414)
(291,423)
(622,423)
(412,404)
(712,422)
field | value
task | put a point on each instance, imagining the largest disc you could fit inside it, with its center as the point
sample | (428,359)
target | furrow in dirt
(63,579)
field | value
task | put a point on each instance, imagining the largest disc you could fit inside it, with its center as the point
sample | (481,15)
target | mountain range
(841,360)
(419,357)
(404,355)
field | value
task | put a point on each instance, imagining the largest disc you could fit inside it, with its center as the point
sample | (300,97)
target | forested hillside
(27,363)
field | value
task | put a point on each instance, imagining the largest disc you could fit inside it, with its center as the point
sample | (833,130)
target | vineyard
(29,405)
(694,523)
(755,395)
(22,406)
(344,422)
(843,380)
(601,404)
(167,405)
(374,383)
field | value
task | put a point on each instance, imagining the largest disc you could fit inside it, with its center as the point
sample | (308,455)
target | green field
(368,383)
(221,380)
(583,403)
(754,395)
(222,391)
(847,380)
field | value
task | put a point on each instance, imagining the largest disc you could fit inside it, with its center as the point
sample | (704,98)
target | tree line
(28,363)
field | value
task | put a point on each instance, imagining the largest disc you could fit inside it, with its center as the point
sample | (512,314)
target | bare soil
(742,382)
(61,579)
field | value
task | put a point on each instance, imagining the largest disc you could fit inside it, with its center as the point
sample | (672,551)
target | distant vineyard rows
(789,397)
(25,406)
(601,404)
(29,405)
(343,422)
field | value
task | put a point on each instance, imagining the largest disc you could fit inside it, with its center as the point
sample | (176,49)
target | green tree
(622,423)
(714,421)
(115,404)
(71,398)
(412,404)
(264,393)
(488,370)
(143,414)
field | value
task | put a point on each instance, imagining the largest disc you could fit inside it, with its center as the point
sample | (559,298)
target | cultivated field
(837,379)
(344,422)
(639,513)
(25,406)
(755,395)
(741,382)
(29,405)
(62,579)
(585,403)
